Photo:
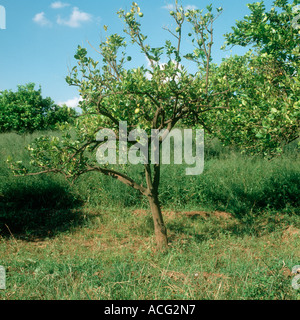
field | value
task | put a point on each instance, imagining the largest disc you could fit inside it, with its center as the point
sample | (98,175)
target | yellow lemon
(137,110)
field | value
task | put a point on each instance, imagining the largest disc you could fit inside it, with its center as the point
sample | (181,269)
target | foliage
(26,111)
(157,97)
(264,108)
(270,32)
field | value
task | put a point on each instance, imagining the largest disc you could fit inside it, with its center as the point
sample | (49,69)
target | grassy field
(234,232)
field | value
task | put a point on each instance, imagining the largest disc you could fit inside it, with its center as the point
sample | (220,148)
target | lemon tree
(156,96)
(264,113)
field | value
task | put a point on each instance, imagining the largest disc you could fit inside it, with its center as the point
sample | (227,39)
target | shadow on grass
(31,209)
(255,225)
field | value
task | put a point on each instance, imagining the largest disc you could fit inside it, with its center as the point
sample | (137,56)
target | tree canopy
(264,108)
(26,110)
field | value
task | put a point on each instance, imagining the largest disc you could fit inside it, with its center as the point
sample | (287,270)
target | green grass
(234,232)
(112,256)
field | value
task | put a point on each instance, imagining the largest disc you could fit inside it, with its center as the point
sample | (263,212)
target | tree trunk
(159,226)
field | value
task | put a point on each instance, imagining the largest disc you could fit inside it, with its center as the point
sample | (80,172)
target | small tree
(26,110)
(157,96)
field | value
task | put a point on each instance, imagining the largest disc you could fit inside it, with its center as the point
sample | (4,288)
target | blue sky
(41,36)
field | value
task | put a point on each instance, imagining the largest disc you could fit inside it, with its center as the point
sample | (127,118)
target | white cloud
(162,66)
(76,18)
(172,7)
(71,103)
(59,5)
(169,7)
(41,19)
(190,7)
